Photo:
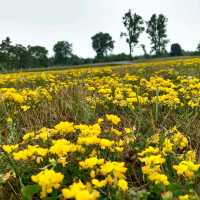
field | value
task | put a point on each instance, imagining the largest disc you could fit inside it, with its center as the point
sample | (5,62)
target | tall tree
(134,27)
(102,43)
(19,57)
(5,48)
(63,51)
(38,56)
(157,30)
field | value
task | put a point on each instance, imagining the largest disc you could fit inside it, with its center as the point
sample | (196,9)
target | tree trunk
(130,50)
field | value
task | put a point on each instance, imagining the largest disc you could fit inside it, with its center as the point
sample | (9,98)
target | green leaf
(175,189)
(198,172)
(53,196)
(29,190)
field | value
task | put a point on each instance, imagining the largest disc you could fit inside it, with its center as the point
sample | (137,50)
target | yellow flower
(99,184)
(62,147)
(117,168)
(167,146)
(91,88)
(18,98)
(183,197)
(28,136)
(9,120)
(100,120)
(119,149)
(65,127)
(105,143)
(158,178)
(92,174)
(91,162)
(123,184)
(150,170)
(10,148)
(62,160)
(79,191)
(89,130)
(153,160)
(43,134)
(127,130)
(179,139)
(116,132)
(113,118)
(154,139)
(88,140)
(186,168)
(48,179)
(30,152)
(149,150)
(25,108)
(191,155)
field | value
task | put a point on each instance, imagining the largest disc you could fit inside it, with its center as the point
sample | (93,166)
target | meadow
(115,132)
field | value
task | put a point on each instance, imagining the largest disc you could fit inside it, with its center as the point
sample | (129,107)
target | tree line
(17,56)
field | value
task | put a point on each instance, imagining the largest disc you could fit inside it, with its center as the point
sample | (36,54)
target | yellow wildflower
(65,127)
(48,179)
(10,148)
(149,150)
(113,118)
(79,191)
(186,168)
(167,146)
(123,184)
(25,108)
(91,162)
(28,136)
(99,184)
(184,197)
(158,178)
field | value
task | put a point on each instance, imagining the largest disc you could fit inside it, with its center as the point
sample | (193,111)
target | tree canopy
(157,30)
(17,56)
(102,43)
(176,50)
(63,51)
(134,27)
(38,55)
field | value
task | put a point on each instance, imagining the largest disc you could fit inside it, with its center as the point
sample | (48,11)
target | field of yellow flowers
(125,132)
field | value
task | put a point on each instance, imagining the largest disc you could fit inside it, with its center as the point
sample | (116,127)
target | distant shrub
(176,50)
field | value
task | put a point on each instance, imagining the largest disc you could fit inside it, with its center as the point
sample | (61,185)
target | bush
(176,50)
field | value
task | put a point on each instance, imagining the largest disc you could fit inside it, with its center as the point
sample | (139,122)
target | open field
(111,64)
(123,132)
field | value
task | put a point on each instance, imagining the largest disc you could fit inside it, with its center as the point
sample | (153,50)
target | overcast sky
(44,22)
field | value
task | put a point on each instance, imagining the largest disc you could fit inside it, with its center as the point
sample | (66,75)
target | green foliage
(38,56)
(17,56)
(63,51)
(134,27)
(176,50)
(175,189)
(102,43)
(29,190)
(156,28)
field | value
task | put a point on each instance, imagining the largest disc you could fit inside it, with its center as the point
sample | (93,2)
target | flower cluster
(116,132)
(48,179)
